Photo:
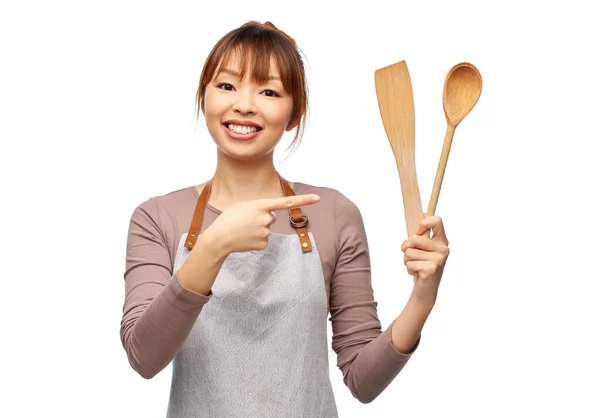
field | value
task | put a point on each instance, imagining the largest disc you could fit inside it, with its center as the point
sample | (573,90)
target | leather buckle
(300,224)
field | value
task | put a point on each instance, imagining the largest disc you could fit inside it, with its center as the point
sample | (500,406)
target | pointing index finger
(289,202)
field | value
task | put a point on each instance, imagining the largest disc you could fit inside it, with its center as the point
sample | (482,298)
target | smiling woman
(238,108)
(236,296)
(270,57)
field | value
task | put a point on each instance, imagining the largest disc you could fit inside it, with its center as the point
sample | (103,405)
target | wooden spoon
(395,98)
(462,89)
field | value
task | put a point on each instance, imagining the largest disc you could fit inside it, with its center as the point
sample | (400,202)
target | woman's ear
(293,123)
(203,92)
(202,108)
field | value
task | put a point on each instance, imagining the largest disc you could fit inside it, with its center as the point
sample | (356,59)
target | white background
(96,115)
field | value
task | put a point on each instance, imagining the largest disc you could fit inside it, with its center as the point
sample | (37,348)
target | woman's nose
(244,103)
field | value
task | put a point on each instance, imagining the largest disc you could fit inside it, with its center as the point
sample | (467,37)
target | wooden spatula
(396,105)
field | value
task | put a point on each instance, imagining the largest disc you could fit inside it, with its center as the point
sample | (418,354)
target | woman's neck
(237,181)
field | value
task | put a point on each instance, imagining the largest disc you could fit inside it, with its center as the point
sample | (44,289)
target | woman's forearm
(200,269)
(409,324)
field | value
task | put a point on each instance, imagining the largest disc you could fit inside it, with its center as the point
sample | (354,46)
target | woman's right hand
(246,226)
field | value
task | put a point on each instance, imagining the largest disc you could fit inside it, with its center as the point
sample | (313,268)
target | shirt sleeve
(365,355)
(158,312)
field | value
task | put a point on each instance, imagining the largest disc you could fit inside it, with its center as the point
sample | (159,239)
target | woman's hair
(256,44)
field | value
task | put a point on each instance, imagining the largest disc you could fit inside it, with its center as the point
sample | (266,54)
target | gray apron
(259,346)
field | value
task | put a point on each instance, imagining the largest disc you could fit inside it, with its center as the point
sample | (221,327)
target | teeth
(240,129)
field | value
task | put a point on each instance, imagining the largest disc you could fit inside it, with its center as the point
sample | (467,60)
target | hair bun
(268,25)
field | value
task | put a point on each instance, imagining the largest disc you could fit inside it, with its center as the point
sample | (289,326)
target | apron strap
(198,217)
(298,220)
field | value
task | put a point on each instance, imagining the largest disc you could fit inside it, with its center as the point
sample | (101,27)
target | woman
(233,279)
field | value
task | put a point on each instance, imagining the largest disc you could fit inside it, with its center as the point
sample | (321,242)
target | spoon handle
(439,176)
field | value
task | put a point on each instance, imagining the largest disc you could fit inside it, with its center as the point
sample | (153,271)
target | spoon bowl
(462,89)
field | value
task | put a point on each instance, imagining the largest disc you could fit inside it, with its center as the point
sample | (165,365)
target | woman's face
(246,120)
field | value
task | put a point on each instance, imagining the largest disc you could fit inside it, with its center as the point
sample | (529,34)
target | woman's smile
(242,130)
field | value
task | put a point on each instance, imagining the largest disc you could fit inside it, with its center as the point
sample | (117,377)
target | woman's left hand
(425,258)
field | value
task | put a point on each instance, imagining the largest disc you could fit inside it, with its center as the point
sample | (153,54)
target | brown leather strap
(198,217)
(298,220)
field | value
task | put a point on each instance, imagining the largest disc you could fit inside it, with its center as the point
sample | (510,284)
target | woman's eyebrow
(236,74)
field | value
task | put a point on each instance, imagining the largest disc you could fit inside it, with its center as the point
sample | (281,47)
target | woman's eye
(271,93)
(225,86)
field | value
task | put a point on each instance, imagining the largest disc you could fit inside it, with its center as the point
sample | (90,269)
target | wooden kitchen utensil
(462,89)
(395,98)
